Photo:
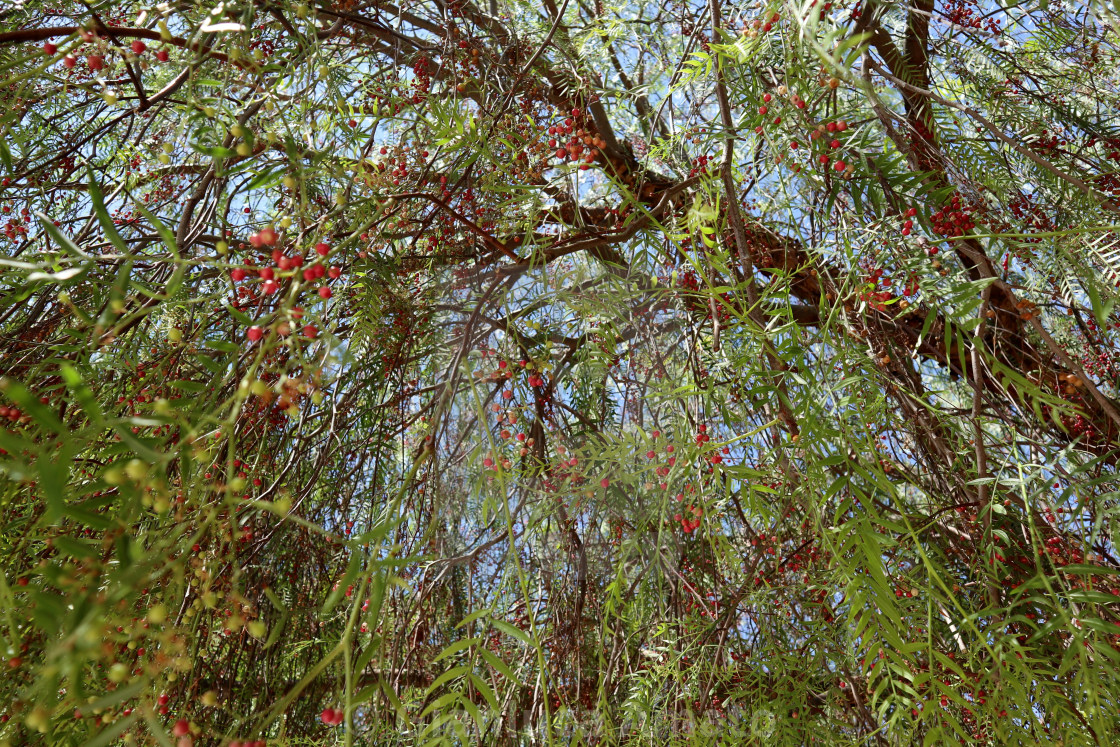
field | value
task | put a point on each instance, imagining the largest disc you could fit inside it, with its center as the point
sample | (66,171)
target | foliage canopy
(583,372)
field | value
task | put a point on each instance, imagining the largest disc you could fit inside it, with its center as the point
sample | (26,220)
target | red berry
(138,47)
(162,55)
(322,249)
(69,61)
(181,728)
(605,482)
(238,275)
(95,61)
(49,49)
(255,333)
(324,292)
(310,331)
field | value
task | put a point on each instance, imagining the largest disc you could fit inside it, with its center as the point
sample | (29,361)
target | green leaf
(214,151)
(115,729)
(484,690)
(62,275)
(335,596)
(5,153)
(493,660)
(60,238)
(81,392)
(102,213)
(450,674)
(242,319)
(455,647)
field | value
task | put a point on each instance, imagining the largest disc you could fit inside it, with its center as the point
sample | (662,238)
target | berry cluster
(967,14)
(581,144)
(953,219)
